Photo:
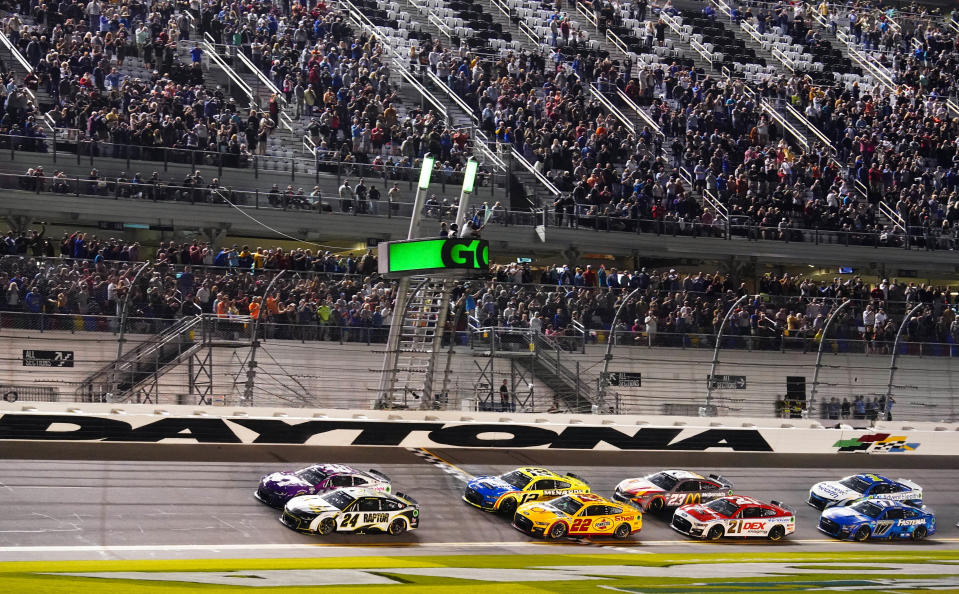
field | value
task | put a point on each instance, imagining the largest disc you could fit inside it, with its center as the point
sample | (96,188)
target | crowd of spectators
(82,274)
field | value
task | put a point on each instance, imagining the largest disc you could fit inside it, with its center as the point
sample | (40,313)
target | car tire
(715,533)
(919,533)
(397,527)
(622,531)
(656,505)
(327,525)
(777,533)
(508,507)
(862,534)
(556,531)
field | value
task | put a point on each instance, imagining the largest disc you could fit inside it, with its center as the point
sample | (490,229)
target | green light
(426,172)
(403,258)
(470,176)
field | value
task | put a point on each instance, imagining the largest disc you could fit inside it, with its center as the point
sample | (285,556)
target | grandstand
(638,138)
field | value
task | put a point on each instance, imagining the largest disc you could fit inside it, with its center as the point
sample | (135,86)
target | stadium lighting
(469,178)
(426,171)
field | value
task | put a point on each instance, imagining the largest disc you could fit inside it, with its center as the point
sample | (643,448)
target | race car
(671,488)
(878,518)
(580,514)
(735,515)
(506,492)
(279,487)
(853,488)
(352,509)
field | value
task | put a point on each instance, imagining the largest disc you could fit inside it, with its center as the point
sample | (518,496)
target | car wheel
(508,507)
(397,527)
(862,534)
(919,533)
(622,531)
(557,530)
(656,505)
(326,526)
(777,533)
(715,533)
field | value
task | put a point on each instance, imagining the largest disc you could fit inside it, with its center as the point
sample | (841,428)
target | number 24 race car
(735,516)
(352,509)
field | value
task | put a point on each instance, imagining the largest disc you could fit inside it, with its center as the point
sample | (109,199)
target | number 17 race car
(877,518)
(735,515)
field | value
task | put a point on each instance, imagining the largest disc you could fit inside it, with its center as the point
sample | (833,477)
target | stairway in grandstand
(132,374)
(410,369)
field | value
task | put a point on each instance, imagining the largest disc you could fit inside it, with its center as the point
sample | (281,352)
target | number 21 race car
(506,492)
(352,509)
(735,516)
(671,488)
(582,514)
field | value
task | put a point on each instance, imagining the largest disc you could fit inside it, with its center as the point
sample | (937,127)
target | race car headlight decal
(542,523)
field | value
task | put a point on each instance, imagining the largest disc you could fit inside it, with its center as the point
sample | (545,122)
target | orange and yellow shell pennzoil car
(580,514)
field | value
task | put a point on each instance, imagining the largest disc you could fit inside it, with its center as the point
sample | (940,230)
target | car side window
(390,505)
(596,510)
(688,486)
(359,481)
(768,513)
(342,480)
(561,485)
(910,514)
(752,512)
(613,511)
(542,484)
(893,514)
(368,504)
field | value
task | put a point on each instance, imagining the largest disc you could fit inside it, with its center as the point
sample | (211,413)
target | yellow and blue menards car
(508,491)
(581,514)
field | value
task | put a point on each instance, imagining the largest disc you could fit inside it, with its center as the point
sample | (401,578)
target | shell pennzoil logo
(603,524)
(877,443)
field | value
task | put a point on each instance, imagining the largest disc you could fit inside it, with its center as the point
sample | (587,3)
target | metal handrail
(612,109)
(539,176)
(285,120)
(46,117)
(811,127)
(640,112)
(893,216)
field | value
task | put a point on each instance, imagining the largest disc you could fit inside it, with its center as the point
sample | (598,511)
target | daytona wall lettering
(378,433)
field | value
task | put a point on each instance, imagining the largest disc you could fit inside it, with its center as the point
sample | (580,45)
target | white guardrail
(138,423)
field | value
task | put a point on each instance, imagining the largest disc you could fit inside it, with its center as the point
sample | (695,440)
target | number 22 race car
(735,516)
(582,514)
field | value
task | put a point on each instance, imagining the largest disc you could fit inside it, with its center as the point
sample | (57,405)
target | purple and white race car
(279,487)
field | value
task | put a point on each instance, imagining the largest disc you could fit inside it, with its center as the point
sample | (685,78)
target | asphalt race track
(123,509)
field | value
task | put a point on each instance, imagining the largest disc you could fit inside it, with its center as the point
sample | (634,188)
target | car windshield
(855,483)
(868,508)
(314,476)
(567,505)
(663,481)
(338,499)
(723,506)
(516,479)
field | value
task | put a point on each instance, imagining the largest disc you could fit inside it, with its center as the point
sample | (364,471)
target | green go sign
(417,256)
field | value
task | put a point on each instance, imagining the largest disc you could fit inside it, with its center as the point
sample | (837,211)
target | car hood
(700,513)
(309,504)
(845,515)
(834,491)
(638,486)
(285,482)
(540,509)
(490,485)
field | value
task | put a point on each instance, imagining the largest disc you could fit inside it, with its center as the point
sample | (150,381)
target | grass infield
(36,576)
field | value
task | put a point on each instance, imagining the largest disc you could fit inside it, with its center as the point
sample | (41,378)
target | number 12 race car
(671,488)
(876,518)
(583,514)
(507,492)
(735,516)
(352,509)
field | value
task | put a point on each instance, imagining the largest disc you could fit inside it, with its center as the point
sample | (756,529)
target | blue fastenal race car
(877,518)
(866,485)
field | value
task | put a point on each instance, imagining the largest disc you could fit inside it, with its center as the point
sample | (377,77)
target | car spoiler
(379,475)
(405,498)
(577,477)
(783,505)
(721,480)
(909,483)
